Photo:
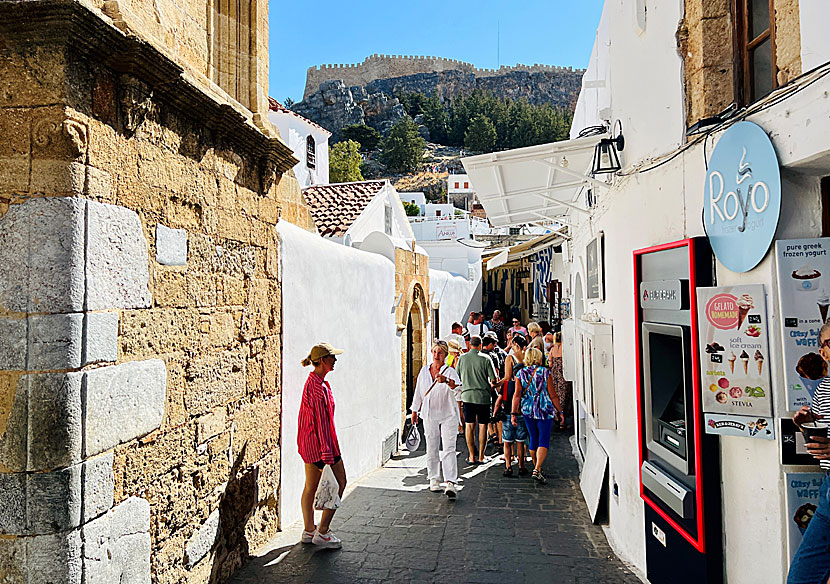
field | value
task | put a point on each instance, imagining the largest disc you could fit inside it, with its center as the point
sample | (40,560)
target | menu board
(803,287)
(734,351)
(802,500)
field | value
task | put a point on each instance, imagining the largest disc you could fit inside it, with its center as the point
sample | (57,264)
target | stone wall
(391,66)
(705,40)
(140,312)
(412,280)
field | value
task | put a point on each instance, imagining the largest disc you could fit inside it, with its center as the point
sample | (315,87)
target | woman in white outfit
(438,399)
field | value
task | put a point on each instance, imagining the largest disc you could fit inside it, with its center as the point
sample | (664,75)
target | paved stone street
(499,530)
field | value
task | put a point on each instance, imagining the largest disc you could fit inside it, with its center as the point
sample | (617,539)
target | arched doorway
(414,351)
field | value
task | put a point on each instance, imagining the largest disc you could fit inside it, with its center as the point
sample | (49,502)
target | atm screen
(668,394)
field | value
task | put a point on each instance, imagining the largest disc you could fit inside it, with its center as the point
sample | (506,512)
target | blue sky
(304,33)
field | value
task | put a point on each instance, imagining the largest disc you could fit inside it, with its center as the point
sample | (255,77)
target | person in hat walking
(438,401)
(317,442)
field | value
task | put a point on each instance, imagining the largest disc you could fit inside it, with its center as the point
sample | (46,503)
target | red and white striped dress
(316,437)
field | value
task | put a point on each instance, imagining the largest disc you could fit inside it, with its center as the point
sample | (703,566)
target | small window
(388,219)
(310,153)
(466,185)
(756,43)
(438,212)
(456,185)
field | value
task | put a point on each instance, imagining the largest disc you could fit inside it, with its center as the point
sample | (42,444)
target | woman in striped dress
(811,563)
(317,442)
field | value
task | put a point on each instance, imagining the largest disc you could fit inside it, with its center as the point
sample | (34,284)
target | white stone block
(100,337)
(42,254)
(201,542)
(53,501)
(12,503)
(12,343)
(54,420)
(13,440)
(123,402)
(130,517)
(54,559)
(117,545)
(55,342)
(171,246)
(98,487)
(116,259)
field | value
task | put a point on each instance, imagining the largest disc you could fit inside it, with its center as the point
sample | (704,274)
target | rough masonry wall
(391,66)
(705,40)
(140,323)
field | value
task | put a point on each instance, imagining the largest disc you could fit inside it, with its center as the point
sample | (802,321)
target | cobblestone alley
(499,530)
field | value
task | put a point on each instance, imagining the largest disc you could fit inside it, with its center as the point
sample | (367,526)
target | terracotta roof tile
(335,207)
(276,106)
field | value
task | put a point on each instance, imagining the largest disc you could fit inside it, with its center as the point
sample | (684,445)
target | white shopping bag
(328,491)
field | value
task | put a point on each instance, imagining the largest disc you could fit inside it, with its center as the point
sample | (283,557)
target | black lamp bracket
(619,141)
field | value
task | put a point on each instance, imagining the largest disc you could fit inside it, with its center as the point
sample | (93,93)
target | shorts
(476,413)
(517,433)
(320,464)
(539,432)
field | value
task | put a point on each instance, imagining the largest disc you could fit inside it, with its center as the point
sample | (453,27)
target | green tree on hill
(412,210)
(403,150)
(366,136)
(344,162)
(436,119)
(480,135)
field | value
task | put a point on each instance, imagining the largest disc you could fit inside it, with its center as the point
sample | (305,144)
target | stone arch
(414,343)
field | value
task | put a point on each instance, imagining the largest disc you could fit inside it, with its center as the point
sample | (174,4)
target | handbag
(327,495)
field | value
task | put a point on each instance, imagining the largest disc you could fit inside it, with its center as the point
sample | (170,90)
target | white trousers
(436,433)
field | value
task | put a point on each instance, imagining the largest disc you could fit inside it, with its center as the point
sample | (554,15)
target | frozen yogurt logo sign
(742,198)
(722,311)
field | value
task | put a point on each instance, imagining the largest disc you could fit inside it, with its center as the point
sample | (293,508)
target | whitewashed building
(460,191)
(308,141)
(737,525)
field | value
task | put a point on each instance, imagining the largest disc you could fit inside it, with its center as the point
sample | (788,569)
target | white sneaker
(450,491)
(308,536)
(435,485)
(328,540)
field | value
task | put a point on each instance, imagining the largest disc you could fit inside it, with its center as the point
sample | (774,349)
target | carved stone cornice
(70,24)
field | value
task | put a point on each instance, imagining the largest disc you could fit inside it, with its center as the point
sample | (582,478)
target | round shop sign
(742,197)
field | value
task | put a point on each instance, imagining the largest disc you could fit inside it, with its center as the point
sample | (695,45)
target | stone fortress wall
(390,66)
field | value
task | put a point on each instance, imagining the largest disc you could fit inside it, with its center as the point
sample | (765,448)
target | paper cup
(810,429)
(807,284)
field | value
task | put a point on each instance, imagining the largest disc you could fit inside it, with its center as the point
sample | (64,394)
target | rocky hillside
(334,105)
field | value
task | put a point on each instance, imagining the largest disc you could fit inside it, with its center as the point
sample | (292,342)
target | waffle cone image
(742,312)
(746,365)
(732,366)
(760,363)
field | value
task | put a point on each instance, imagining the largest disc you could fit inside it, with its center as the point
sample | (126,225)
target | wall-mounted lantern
(606,157)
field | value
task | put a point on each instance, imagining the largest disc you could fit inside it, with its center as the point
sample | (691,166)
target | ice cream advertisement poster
(802,500)
(804,296)
(743,426)
(734,351)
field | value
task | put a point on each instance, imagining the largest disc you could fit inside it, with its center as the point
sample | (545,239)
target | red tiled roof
(335,207)
(276,106)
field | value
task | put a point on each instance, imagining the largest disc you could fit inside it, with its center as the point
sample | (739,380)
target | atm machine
(679,463)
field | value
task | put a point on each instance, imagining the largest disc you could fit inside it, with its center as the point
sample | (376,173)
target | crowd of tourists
(501,385)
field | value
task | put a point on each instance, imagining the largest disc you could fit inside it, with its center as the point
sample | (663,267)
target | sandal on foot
(523,471)
(508,472)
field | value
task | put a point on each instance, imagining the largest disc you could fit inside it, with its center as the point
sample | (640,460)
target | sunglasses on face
(825,344)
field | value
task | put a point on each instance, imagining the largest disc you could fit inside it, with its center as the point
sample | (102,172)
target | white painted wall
(460,179)
(294,130)
(436,229)
(373,218)
(664,205)
(815,42)
(343,296)
(455,296)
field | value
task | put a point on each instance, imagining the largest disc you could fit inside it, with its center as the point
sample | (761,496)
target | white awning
(536,184)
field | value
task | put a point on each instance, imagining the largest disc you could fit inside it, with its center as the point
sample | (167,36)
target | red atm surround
(698,541)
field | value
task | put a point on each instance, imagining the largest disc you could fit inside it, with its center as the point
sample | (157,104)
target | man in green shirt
(477,377)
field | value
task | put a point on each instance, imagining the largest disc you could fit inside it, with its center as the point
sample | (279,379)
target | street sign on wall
(742,197)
